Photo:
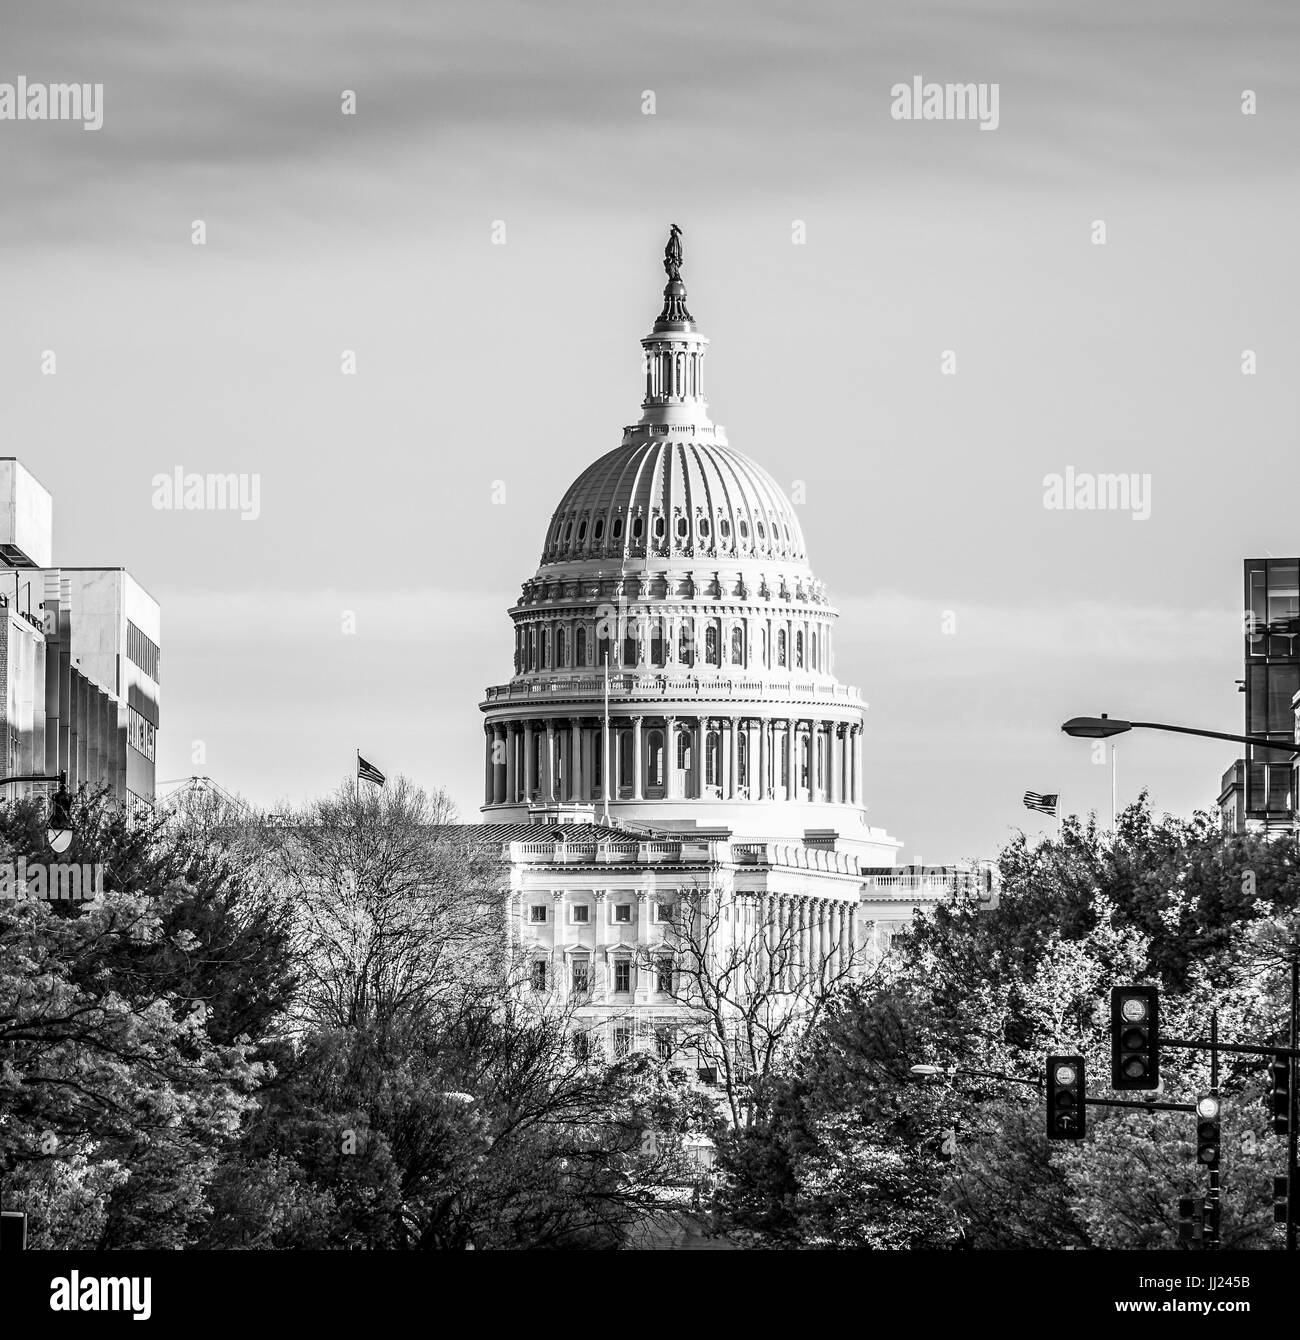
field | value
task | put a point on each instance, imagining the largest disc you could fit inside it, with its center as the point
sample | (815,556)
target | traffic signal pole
(1293,1115)
(1215,1193)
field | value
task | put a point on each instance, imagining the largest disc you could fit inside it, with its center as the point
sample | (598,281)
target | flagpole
(1060,816)
(1114,764)
(604,743)
(356,780)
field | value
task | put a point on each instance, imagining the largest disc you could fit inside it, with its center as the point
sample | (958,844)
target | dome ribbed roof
(669,498)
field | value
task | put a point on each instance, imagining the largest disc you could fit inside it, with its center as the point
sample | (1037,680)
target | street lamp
(928,1071)
(59,831)
(1103,727)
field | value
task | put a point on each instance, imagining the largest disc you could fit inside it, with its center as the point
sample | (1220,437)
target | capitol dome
(684,498)
(674,654)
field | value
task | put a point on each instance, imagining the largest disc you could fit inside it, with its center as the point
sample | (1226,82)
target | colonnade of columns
(561,759)
(801,941)
(805,938)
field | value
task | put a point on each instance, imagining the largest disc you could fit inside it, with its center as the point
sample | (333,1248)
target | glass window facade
(1272,680)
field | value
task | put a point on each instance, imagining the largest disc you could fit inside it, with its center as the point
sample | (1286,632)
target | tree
(752,981)
(975,989)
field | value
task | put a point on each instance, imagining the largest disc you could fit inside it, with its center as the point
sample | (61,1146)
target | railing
(667,686)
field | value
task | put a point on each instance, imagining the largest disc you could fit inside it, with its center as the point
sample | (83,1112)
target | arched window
(630,645)
(805,748)
(582,531)
(657,644)
(737,645)
(785,755)
(638,528)
(568,532)
(602,650)
(780,646)
(546,649)
(816,650)
(684,749)
(763,658)
(598,530)
(712,760)
(711,645)
(758,527)
(798,649)
(618,528)
(821,762)
(532,648)
(744,529)
(724,528)
(580,646)
(686,644)
(660,527)
(742,758)
(655,758)
(704,528)
(559,648)
(625,758)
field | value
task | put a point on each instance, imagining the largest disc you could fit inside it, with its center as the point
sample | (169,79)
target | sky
(974,619)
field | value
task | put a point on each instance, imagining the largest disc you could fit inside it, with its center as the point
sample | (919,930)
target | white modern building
(79,655)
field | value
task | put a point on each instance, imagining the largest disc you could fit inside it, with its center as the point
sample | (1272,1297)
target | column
(763,746)
(638,758)
(498,765)
(643,911)
(760,939)
(588,772)
(695,787)
(824,936)
(575,759)
(805,940)
(855,763)
(600,982)
(559,965)
(512,775)
(615,758)
(833,762)
(489,734)
(733,726)
(670,758)
(548,782)
(530,760)
(791,760)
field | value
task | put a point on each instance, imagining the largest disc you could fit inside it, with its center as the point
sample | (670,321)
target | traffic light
(1189,1219)
(1279,1200)
(1208,1130)
(1209,1220)
(1135,1037)
(1065,1098)
(1280,1097)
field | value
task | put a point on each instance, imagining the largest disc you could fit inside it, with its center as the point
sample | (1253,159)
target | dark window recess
(141,651)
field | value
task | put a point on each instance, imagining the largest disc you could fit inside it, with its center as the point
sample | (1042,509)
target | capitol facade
(674,728)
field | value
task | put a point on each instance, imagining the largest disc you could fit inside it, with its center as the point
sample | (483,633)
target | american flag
(367,772)
(1044,804)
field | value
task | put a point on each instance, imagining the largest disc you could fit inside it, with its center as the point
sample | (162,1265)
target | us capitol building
(674,725)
